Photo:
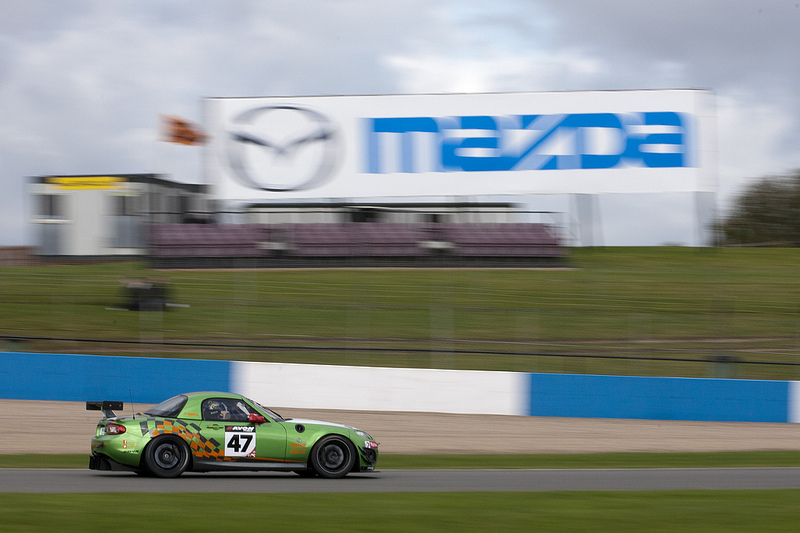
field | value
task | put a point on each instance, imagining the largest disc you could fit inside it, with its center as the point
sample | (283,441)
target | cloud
(753,141)
(539,71)
(82,83)
(742,51)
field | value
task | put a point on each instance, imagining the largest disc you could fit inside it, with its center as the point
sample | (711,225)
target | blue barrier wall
(659,398)
(25,376)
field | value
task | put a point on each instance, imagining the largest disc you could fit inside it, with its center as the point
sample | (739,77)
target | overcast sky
(82,82)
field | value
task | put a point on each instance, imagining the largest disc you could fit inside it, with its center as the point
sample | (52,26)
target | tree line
(766,213)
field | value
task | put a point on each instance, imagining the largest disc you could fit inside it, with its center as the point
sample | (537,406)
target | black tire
(333,456)
(167,456)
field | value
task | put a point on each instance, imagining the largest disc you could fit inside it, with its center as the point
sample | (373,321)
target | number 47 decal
(240,443)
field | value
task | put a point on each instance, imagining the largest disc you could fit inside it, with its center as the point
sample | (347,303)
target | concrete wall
(28,376)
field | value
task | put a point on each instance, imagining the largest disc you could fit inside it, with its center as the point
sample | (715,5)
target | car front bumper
(368,458)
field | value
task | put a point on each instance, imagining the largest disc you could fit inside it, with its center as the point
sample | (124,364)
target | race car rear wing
(106,406)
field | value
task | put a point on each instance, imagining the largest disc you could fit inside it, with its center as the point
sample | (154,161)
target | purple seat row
(354,240)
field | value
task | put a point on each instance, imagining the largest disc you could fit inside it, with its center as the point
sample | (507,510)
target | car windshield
(168,408)
(272,414)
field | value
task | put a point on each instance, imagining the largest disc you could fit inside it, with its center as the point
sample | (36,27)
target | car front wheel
(167,457)
(333,456)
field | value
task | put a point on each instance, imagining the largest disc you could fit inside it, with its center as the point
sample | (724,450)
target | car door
(226,420)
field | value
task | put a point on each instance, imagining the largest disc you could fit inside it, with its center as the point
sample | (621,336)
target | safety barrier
(35,376)
(29,376)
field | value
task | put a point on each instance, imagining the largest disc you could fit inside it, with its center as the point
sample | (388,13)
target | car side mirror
(258,419)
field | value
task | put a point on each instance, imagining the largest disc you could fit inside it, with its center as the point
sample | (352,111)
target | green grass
(593,460)
(664,303)
(36,460)
(702,511)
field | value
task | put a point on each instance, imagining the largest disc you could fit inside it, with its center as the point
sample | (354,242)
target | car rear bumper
(103,462)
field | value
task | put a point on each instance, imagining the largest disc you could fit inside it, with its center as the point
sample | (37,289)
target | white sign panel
(265,149)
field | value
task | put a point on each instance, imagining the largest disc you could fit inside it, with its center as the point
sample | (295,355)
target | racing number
(240,441)
(236,442)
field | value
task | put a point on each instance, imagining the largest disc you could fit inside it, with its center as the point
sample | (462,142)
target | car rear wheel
(333,456)
(167,456)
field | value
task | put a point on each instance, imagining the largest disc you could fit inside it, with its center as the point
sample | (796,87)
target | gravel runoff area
(66,428)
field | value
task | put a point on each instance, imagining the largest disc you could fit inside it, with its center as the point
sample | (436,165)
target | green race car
(206,431)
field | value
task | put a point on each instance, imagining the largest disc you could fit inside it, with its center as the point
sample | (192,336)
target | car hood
(319,422)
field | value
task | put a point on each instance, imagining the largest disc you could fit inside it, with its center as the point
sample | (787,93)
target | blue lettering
(405,126)
(531,142)
(476,153)
(585,123)
(654,158)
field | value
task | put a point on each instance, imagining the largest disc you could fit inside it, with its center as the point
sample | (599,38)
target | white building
(102,216)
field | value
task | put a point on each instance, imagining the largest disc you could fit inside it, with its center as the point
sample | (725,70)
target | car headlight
(363,434)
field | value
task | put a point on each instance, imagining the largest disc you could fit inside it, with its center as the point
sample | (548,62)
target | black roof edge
(153,179)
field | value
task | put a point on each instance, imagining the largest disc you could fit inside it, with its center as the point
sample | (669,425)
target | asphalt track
(19,480)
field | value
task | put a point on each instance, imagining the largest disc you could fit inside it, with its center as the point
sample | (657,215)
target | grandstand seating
(448,243)
(207,240)
(331,240)
(500,240)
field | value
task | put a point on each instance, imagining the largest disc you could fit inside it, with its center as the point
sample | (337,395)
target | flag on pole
(181,131)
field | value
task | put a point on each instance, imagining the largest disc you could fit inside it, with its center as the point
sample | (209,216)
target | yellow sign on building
(86,182)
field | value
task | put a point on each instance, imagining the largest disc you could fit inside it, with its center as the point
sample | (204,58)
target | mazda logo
(282,148)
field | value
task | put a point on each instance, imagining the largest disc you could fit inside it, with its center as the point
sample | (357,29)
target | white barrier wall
(382,389)
(794,402)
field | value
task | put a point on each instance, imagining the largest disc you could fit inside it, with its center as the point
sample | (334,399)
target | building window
(51,206)
(183,206)
(364,215)
(129,231)
(126,206)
